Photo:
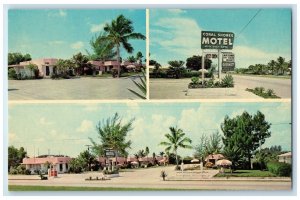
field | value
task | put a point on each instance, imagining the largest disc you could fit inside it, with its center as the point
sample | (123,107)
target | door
(47,71)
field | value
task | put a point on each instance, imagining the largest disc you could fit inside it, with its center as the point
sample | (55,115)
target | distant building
(108,66)
(60,163)
(285,158)
(213,158)
(45,66)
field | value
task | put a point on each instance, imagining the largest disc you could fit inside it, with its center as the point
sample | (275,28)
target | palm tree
(131,59)
(79,60)
(176,68)
(272,65)
(102,48)
(175,140)
(280,62)
(141,85)
(119,31)
(139,57)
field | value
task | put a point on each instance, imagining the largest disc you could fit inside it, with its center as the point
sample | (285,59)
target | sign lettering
(216,40)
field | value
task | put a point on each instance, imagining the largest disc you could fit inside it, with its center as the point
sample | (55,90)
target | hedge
(279,168)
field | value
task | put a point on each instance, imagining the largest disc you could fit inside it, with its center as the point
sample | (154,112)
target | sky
(175,34)
(63,33)
(65,128)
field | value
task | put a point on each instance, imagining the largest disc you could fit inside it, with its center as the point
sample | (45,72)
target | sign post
(216,40)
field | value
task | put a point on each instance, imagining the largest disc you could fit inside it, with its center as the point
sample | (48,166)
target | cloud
(44,121)
(97,27)
(245,56)
(178,36)
(59,13)
(176,11)
(56,42)
(77,45)
(85,126)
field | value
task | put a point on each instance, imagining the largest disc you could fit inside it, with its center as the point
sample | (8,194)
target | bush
(259,166)
(227,81)
(280,169)
(195,80)
(12,74)
(116,171)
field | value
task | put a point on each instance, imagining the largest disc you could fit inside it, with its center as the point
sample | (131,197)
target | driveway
(84,88)
(178,88)
(150,178)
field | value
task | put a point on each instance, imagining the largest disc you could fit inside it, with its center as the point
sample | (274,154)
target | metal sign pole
(202,67)
(219,66)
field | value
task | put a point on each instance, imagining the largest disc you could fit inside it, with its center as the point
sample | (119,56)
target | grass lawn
(71,188)
(246,173)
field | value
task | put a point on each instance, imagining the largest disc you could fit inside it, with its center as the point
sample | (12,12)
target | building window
(60,167)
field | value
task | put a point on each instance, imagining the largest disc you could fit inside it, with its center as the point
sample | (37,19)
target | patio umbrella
(205,70)
(134,163)
(194,160)
(130,67)
(224,162)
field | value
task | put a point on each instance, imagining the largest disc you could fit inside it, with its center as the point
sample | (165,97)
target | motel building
(108,66)
(285,158)
(45,66)
(58,163)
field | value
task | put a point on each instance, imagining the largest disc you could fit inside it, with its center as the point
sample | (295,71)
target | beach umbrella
(204,70)
(194,160)
(224,162)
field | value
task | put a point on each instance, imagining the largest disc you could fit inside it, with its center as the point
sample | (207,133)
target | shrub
(259,165)
(195,80)
(227,81)
(280,169)
(210,83)
(12,74)
(270,92)
(111,172)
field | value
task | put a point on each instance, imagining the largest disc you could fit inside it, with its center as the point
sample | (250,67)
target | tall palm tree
(139,57)
(119,31)
(176,68)
(176,139)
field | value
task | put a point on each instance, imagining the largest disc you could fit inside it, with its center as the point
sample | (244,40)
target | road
(150,178)
(84,88)
(282,87)
(178,88)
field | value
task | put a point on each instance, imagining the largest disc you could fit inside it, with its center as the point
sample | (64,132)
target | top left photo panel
(73,54)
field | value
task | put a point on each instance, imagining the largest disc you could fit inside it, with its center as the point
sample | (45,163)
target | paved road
(150,178)
(84,88)
(177,88)
(282,87)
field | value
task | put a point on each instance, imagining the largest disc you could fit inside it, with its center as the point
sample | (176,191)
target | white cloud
(62,13)
(77,45)
(56,42)
(59,13)
(44,121)
(97,27)
(85,126)
(176,11)
(179,36)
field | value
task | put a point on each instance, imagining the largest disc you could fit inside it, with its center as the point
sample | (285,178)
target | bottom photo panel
(150,146)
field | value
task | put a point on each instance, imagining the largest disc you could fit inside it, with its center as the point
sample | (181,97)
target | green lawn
(70,188)
(246,173)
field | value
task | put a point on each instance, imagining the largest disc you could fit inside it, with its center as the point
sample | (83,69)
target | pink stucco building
(61,164)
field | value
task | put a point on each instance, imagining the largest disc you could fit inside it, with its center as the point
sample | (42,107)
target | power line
(249,22)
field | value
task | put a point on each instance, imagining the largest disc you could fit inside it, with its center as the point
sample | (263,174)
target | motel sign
(216,40)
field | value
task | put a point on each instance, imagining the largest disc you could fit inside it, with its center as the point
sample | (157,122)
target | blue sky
(65,128)
(63,33)
(175,34)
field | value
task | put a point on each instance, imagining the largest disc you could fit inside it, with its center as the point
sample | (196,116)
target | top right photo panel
(220,53)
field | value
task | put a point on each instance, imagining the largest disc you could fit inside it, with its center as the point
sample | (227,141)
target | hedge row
(186,74)
(279,168)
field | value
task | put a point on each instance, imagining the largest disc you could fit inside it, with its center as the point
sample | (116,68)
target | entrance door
(47,71)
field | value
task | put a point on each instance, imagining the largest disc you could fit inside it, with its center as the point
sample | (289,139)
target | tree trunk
(249,160)
(118,59)
(176,156)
